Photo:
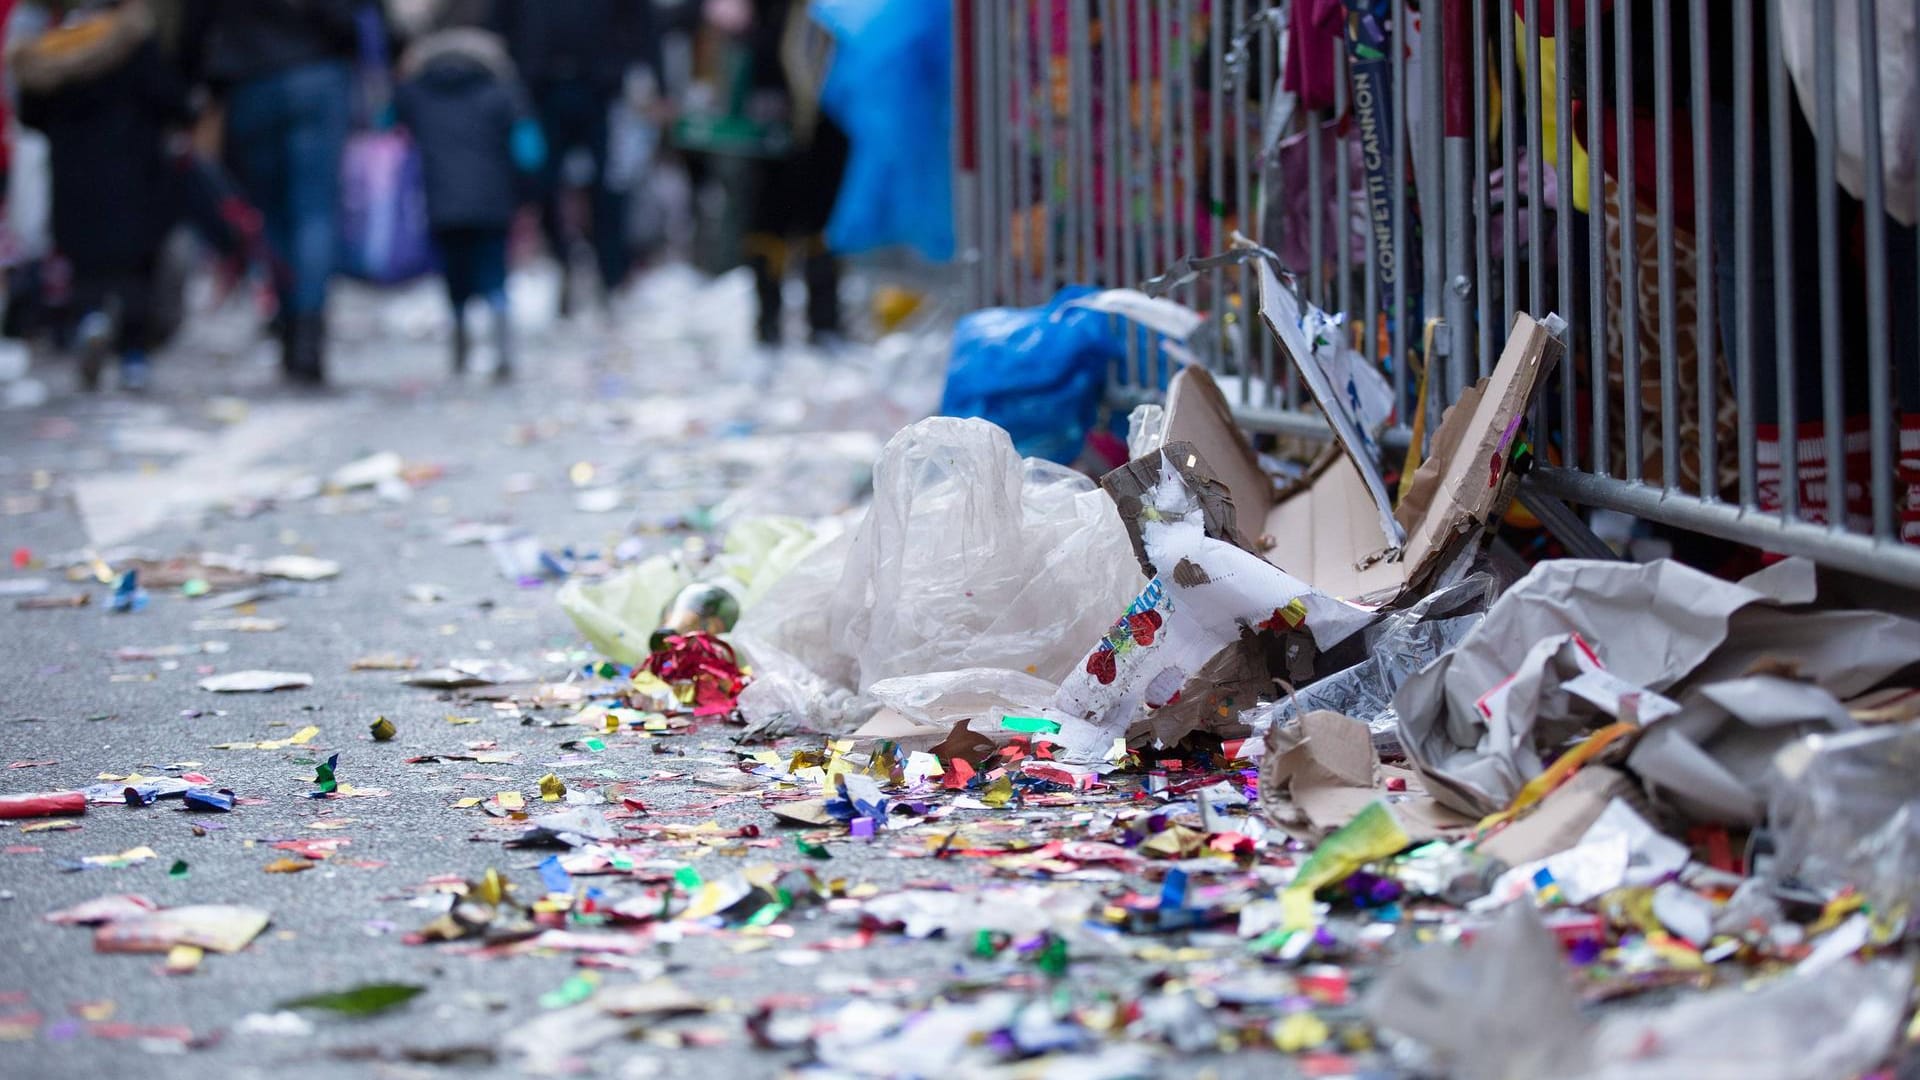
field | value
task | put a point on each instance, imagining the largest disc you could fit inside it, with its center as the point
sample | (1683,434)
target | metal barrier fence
(1687,182)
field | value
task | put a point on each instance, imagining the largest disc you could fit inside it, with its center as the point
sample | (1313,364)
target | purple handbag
(385,237)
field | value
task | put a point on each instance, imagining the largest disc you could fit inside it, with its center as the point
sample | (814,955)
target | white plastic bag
(969,557)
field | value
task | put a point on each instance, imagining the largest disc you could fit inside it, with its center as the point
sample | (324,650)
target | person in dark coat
(284,71)
(461,101)
(96,86)
(794,193)
(575,57)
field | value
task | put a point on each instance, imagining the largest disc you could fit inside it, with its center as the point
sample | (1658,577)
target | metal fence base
(1769,532)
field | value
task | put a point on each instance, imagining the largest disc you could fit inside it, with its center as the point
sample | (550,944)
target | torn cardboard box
(1327,529)
(1231,555)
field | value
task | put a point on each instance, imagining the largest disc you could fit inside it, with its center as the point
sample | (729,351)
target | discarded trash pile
(1363,804)
(1185,770)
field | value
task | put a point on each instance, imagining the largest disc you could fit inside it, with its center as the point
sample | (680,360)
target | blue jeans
(285,136)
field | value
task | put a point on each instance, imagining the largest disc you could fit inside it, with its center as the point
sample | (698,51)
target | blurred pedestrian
(795,191)
(462,102)
(576,58)
(95,85)
(284,70)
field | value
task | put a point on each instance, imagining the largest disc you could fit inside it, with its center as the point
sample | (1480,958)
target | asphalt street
(663,403)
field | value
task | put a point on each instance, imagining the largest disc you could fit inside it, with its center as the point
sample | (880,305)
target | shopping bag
(383,212)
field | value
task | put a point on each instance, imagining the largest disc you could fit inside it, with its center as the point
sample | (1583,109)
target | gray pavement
(669,405)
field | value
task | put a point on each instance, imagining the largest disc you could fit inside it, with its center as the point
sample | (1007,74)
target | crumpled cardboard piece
(1326,529)
(1207,522)
(1321,771)
(1561,819)
(1317,773)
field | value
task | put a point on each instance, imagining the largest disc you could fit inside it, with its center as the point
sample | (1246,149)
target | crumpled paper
(1485,718)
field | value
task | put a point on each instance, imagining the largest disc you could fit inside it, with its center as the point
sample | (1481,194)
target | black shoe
(459,343)
(305,355)
(503,344)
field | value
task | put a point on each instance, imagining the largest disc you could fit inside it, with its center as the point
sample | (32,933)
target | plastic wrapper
(1401,644)
(1501,1008)
(938,699)
(1847,811)
(1838,1022)
(49,805)
(968,557)
(618,613)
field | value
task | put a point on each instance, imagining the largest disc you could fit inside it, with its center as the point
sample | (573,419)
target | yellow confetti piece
(468,804)
(463,720)
(55,825)
(184,959)
(510,800)
(299,738)
(1296,911)
(552,788)
(491,888)
(1300,1031)
(998,793)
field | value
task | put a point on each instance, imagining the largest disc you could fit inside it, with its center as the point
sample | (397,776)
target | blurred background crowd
(285,143)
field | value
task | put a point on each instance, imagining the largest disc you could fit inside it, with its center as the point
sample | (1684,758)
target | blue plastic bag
(889,89)
(1037,372)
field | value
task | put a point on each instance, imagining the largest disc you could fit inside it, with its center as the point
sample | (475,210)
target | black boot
(822,273)
(502,341)
(306,354)
(459,341)
(766,255)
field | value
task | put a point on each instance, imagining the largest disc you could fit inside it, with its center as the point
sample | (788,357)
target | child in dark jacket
(96,86)
(462,102)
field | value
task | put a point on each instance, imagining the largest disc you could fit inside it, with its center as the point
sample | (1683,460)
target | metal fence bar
(1705,330)
(1826,173)
(1022,126)
(1456,132)
(1597,254)
(1509,163)
(1342,224)
(1879,329)
(1629,246)
(1269,44)
(1780,182)
(1536,162)
(1189,202)
(1049,120)
(1241,200)
(1563,223)
(1007,148)
(1482,185)
(1664,241)
(1398,45)
(1744,346)
(1217,161)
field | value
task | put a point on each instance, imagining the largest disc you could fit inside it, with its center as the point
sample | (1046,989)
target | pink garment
(1319,26)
